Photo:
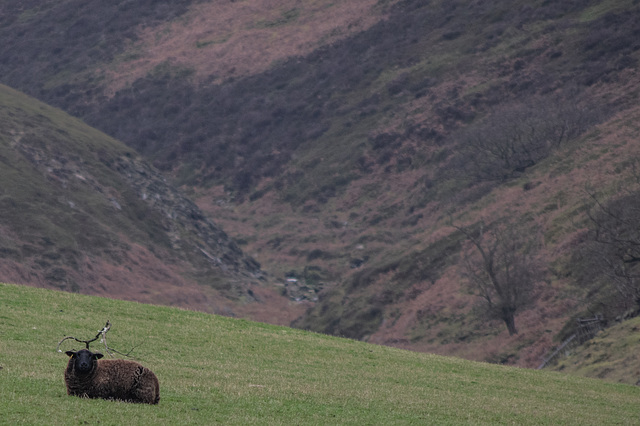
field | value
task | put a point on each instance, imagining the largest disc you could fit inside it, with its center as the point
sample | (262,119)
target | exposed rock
(190,230)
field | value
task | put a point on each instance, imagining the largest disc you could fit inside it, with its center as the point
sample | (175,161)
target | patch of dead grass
(220,40)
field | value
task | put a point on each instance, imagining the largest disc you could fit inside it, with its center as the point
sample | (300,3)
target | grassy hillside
(82,212)
(226,371)
(611,355)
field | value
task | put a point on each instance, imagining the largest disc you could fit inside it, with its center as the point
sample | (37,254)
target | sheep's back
(130,380)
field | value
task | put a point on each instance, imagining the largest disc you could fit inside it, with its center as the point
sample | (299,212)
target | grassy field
(217,370)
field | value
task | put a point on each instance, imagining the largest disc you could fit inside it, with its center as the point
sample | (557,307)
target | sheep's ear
(70,353)
(97,355)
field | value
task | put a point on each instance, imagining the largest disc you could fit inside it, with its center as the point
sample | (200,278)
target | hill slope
(339,141)
(81,212)
(611,355)
(220,370)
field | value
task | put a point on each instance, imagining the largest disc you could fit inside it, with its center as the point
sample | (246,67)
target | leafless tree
(501,268)
(614,247)
(102,335)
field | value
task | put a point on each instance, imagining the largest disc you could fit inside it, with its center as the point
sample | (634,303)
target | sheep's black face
(84,361)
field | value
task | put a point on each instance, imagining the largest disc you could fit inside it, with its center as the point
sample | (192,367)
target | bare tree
(501,268)
(614,247)
(102,335)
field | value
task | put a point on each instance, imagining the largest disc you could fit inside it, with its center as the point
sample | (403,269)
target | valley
(340,147)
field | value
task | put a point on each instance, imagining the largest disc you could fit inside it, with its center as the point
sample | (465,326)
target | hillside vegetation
(81,212)
(217,370)
(610,355)
(367,152)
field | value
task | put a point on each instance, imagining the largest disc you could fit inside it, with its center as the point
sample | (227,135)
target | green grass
(228,371)
(601,8)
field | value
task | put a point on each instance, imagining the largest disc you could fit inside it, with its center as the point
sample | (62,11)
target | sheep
(118,379)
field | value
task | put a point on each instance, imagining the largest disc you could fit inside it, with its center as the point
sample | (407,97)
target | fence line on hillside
(587,328)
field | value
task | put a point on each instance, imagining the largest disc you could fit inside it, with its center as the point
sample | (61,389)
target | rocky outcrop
(189,230)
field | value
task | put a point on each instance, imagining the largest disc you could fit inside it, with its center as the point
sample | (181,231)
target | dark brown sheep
(88,376)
